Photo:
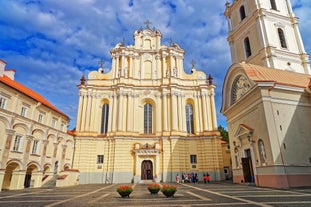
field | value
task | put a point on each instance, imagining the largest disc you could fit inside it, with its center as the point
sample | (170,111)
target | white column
(200,112)
(79,116)
(158,67)
(164,66)
(113,65)
(158,113)
(141,67)
(120,110)
(110,115)
(164,111)
(114,114)
(122,65)
(196,114)
(135,118)
(204,103)
(183,113)
(83,115)
(88,111)
(180,117)
(174,112)
(94,115)
(171,63)
(117,67)
(209,113)
(131,67)
(124,107)
(214,123)
(129,113)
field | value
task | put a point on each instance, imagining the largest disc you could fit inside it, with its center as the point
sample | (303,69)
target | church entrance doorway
(248,167)
(146,170)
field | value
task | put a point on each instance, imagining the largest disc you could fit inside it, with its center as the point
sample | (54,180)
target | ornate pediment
(242,130)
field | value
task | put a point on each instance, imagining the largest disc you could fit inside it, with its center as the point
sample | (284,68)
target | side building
(34,145)
(146,119)
(266,95)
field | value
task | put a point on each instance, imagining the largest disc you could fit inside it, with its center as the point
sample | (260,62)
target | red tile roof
(264,74)
(2,61)
(23,89)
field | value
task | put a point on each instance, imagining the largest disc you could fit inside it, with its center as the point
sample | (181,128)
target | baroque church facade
(267,95)
(145,118)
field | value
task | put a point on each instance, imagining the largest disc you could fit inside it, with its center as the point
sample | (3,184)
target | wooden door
(146,170)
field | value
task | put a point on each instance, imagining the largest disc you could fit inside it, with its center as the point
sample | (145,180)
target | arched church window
(147,118)
(247,47)
(104,123)
(262,152)
(242,13)
(273,4)
(189,119)
(282,38)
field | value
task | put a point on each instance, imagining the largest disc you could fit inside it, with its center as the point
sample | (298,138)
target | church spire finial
(82,80)
(210,79)
(193,63)
(101,63)
(147,23)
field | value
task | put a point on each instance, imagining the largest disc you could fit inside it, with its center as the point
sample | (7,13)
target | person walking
(208,177)
(204,178)
(177,178)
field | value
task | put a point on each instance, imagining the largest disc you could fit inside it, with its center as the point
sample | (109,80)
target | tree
(224,133)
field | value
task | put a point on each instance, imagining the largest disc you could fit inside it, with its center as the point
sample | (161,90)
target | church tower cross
(101,63)
(147,23)
(193,63)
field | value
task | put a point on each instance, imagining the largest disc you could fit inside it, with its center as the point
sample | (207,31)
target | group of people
(192,178)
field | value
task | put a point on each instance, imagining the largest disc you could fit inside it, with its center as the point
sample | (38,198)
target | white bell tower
(265,32)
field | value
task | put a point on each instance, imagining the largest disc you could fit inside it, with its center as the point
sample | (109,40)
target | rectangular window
(147,118)
(105,116)
(24,111)
(100,159)
(40,118)
(62,127)
(17,143)
(3,102)
(54,122)
(273,5)
(193,159)
(189,119)
(35,147)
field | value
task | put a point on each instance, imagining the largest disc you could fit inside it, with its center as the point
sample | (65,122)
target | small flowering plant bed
(154,188)
(169,190)
(125,190)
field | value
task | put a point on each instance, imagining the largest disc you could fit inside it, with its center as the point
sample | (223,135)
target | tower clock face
(239,87)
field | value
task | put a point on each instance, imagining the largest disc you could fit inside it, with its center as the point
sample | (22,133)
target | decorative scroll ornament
(239,87)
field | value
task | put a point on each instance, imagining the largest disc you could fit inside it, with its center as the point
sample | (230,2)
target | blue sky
(51,43)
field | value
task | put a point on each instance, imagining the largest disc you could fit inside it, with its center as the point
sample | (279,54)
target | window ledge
(18,152)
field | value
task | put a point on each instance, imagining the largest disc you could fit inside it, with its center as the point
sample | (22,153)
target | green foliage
(224,133)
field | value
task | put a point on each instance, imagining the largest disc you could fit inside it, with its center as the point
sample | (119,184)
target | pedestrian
(183,177)
(177,178)
(192,177)
(208,177)
(204,178)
